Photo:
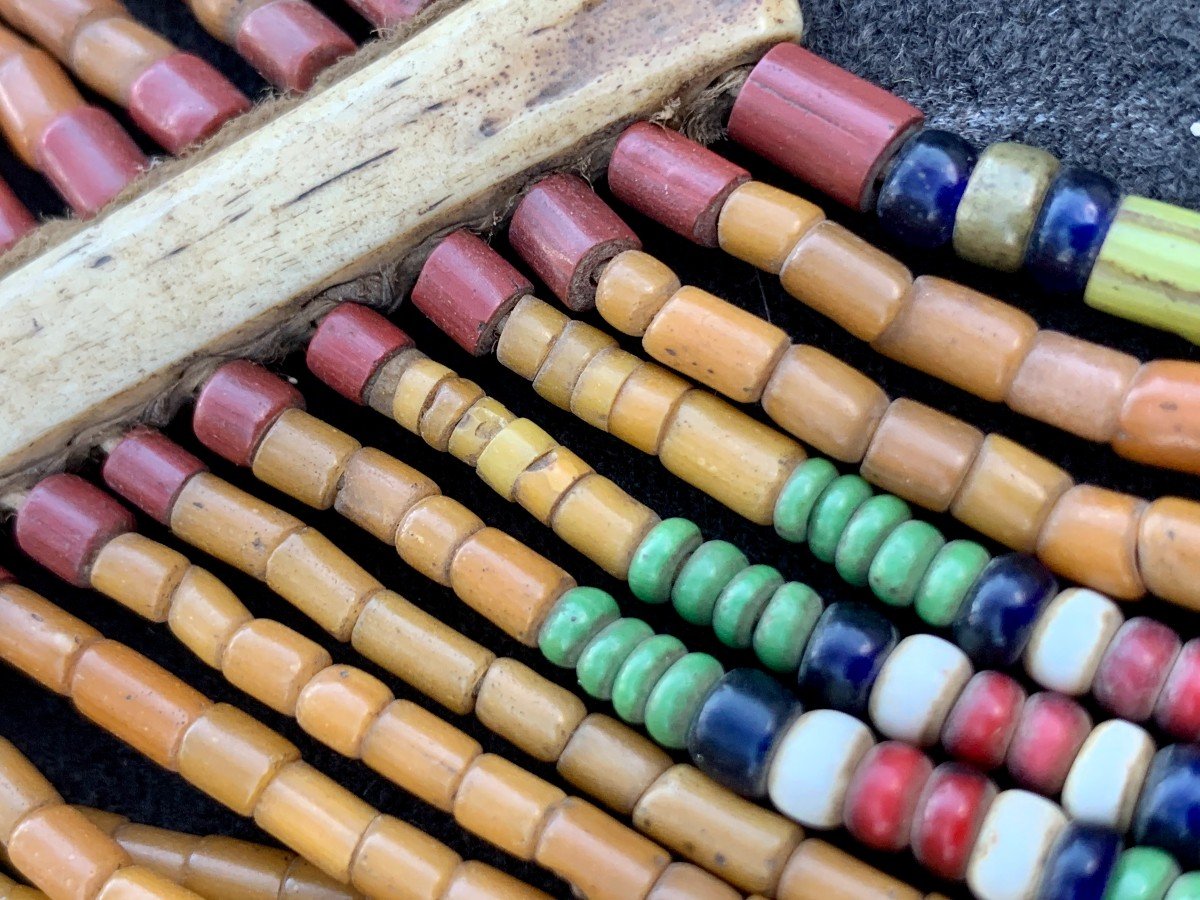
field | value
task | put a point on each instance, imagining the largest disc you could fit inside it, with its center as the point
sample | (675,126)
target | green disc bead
(865,533)
(742,602)
(1142,873)
(677,697)
(659,557)
(603,657)
(643,669)
(951,574)
(783,629)
(902,561)
(832,513)
(1185,887)
(703,577)
(578,616)
(795,504)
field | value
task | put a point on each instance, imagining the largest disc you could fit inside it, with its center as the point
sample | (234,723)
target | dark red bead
(948,817)
(1178,708)
(1049,734)
(883,793)
(15,219)
(6,576)
(673,180)
(1134,668)
(88,158)
(389,13)
(149,470)
(291,43)
(349,347)
(65,522)
(982,721)
(181,100)
(238,405)
(466,289)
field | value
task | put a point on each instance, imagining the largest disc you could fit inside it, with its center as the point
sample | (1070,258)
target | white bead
(919,682)
(1017,835)
(1070,638)
(1107,775)
(813,765)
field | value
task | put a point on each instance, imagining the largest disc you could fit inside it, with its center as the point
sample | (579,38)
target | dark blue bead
(1075,216)
(844,656)
(920,195)
(1168,811)
(999,611)
(1080,863)
(737,728)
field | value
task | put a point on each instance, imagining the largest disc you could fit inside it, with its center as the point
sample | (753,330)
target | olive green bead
(702,579)
(603,657)
(951,574)
(795,504)
(785,625)
(677,698)
(578,616)
(742,602)
(659,558)
(641,672)
(865,533)
(1185,887)
(832,513)
(902,561)
(1142,873)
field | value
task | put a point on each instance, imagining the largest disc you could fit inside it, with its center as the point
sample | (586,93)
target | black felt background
(1109,84)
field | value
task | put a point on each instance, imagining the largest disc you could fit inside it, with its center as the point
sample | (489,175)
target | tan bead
(819,871)
(577,346)
(136,883)
(760,224)
(1159,424)
(518,446)
(414,392)
(10,890)
(528,710)
(921,454)
(843,277)
(426,653)
(738,840)
(961,336)
(511,585)
(381,391)
(716,343)
(230,524)
(544,483)
(475,430)
(645,406)
(603,522)
(22,789)
(728,455)
(220,865)
(139,573)
(166,852)
(425,755)
(505,805)
(339,706)
(139,702)
(531,329)
(598,855)
(108,54)
(599,385)
(681,881)
(431,533)
(1091,537)
(304,457)
(449,404)
(72,857)
(272,663)
(1074,385)
(632,289)
(310,572)
(232,757)
(205,614)
(612,762)
(40,639)
(108,822)
(1008,492)
(378,490)
(473,880)
(824,402)
(1169,535)
(397,860)
(304,881)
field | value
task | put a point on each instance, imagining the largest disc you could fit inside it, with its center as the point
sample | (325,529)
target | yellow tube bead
(599,385)
(760,224)
(304,457)
(414,392)
(476,429)
(532,328)
(510,453)
(601,521)
(541,486)
(314,575)
(575,348)
(140,574)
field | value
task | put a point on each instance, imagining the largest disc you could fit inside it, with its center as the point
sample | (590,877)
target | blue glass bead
(920,195)
(1080,863)
(843,657)
(1168,812)
(1078,209)
(738,725)
(999,612)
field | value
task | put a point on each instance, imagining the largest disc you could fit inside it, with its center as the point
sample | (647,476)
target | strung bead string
(79,532)
(235,759)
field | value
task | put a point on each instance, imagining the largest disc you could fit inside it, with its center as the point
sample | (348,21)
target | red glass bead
(673,180)
(1178,708)
(149,470)
(389,13)
(1049,734)
(15,219)
(88,158)
(180,100)
(883,794)
(983,719)
(564,232)
(948,816)
(349,347)
(821,123)
(1134,668)
(237,406)
(291,43)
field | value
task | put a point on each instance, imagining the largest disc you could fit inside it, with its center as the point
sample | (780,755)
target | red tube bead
(1049,734)
(948,817)
(237,406)
(389,13)
(1135,667)
(349,347)
(673,180)
(1178,709)
(822,124)
(466,289)
(181,100)
(149,470)
(982,721)
(291,43)
(65,522)
(883,794)
(15,219)
(88,158)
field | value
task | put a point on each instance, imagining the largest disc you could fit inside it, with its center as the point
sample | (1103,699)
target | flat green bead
(1142,873)
(659,558)
(603,657)
(639,674)
(783,629)
(833,512)
(902,561)
(947,580)
(1185,887)
(795,503)
(865,533)
(677,698)
(703,577)
(578,616)
(742,602)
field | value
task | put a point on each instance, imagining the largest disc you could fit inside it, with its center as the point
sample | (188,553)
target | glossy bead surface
(882,796)
(1070,639)
(998,614)
(1185,887)
(1018,834)
(1142,873)
(1075,217)
(917,687)
(814,762)
(1168,812)
(1159,421)
(948,817)
(1178,709)
(1170,528)
(844,656)
(1135,667)
(237,407)
(88,157)
(181,100)
(922,189)
(1108,773)
(291,43)
(981,723)
(1049,734)
(350,345)
(1081,863)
